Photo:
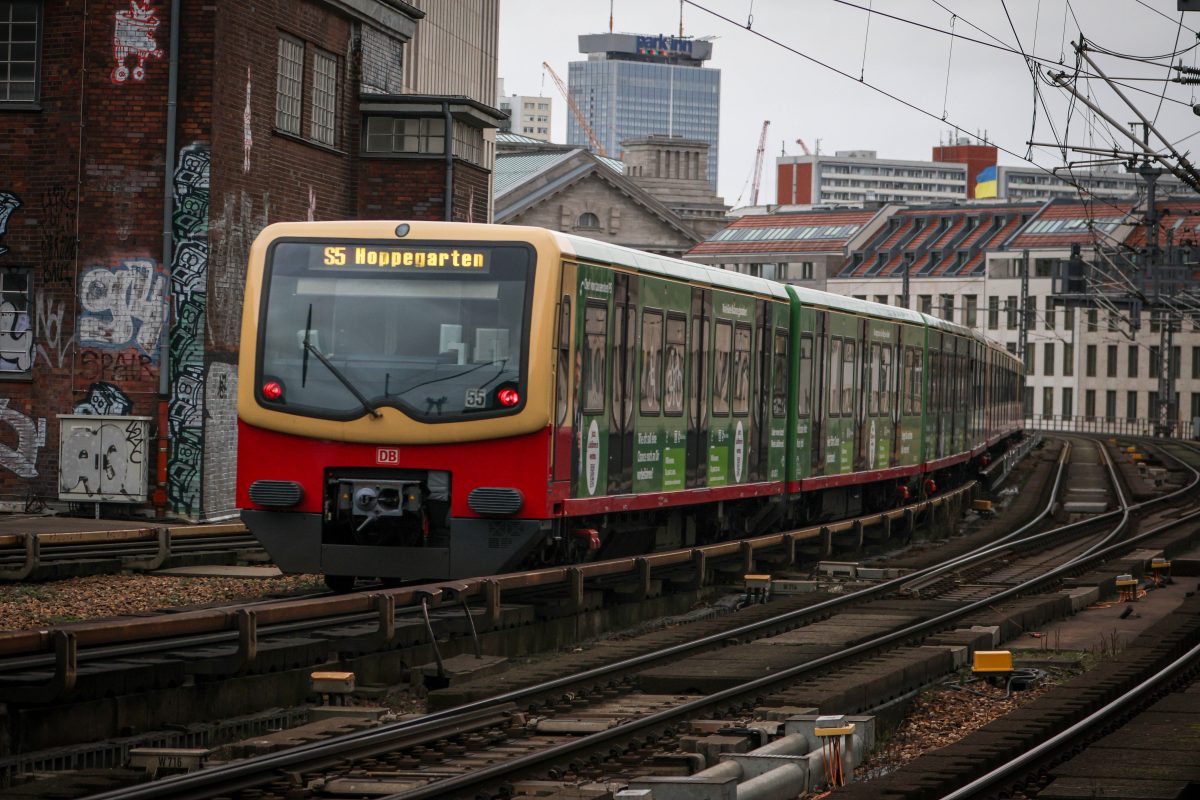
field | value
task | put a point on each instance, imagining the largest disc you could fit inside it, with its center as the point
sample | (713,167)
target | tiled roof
(1181,220)
(1062,223)
(802,232)
(940,241)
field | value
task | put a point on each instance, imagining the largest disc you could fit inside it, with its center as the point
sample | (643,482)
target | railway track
(407,755)
(38,556)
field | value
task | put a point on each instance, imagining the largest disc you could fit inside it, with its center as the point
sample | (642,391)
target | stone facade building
(145,144)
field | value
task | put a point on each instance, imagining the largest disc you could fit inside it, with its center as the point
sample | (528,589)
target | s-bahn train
(431,400)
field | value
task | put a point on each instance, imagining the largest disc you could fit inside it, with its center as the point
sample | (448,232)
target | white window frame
(323,127)
(289,84)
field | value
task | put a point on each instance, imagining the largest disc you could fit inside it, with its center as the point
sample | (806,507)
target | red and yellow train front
(394,397)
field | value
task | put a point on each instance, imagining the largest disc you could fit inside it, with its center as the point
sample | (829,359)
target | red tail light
(272,390)
(508,397)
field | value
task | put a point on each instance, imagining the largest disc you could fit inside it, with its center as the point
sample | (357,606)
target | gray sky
(989,89)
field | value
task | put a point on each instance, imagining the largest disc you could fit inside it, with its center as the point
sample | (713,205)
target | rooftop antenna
(680,19)
(610,16)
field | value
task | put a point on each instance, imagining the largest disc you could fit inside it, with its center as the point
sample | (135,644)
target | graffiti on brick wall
(52,347)
(312,204)
(56,225)
(123,306)
(220,437)
(8,204)
(104,398)
(241,219)
(134,37)
(20,457)
(105,365)
(117,448)
(189,280)
(247,134)
(16,339)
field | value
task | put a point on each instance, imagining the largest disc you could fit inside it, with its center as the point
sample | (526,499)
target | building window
(1011,307)
(1089,403)
(1131,405)
(288,85)
(925,303)
(1068,402)
(16,346)
(1068,359)
(1110,404)
(970,302)
(588,221)
(993,313)
(1133,361)
(1112,361)
(1090,361)
(1047,402)
(324,97)
(806,270)
(1092,320)
(19,54)
(424,136)
(1048,361)
(948,307)
(1155,361)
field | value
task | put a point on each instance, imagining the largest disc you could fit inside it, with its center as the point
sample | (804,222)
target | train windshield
(435,330)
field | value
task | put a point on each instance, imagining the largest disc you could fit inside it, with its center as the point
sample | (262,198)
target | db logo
(387,455)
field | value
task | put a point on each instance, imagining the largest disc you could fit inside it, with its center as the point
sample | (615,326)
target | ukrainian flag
(985,183)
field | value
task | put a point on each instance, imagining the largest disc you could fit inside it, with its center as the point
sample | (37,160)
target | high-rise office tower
(634,86)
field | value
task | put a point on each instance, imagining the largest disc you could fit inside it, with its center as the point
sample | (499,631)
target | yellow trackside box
(992,661)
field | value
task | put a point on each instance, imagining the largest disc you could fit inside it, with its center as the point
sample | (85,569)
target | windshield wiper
(309,347)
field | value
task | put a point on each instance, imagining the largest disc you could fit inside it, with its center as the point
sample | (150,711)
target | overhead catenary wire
(907,104)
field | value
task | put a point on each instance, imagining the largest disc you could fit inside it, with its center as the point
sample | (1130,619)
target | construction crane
(758,162)
(593,142)
(803,147)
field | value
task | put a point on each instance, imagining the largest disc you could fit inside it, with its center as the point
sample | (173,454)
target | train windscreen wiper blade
(309,347)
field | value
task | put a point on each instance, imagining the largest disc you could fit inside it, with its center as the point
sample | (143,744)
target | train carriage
(423,400)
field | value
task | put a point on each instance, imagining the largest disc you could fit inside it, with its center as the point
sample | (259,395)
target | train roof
(673,267)
(852,305)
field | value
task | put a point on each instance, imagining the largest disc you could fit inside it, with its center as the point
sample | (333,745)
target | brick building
(145,144)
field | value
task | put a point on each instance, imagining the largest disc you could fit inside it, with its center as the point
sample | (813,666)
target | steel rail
(1162,678)
(252,771)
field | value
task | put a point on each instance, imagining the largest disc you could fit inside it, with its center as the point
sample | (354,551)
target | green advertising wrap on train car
(732,375)
(660,429)
(777,411)
(841,381)
(592,397)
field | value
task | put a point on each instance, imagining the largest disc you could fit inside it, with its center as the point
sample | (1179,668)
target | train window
(563,381)
(722,350)
(595,361)
(835,378)
(673,377)
(848,367)
(885,379)
(620,357)
(779,367)
(915,379)
(805,378)
(741,369)
(650,382)
(872,387)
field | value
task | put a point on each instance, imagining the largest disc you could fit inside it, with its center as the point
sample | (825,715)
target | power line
(891,96)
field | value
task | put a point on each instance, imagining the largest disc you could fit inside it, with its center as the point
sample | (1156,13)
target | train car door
(820,416)
(761,389)
(862,399)
(620,430)
(698,355)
